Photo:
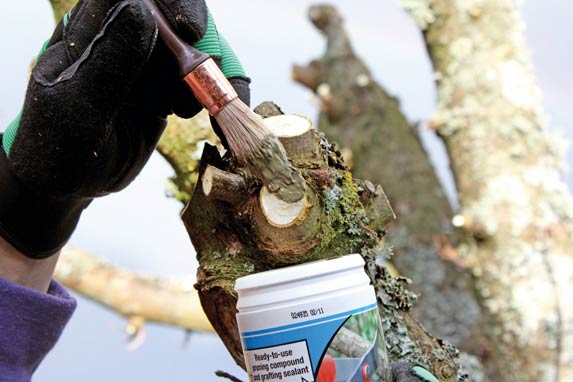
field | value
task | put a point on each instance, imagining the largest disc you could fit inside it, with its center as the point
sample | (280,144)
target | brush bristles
(244,129)
(260,151)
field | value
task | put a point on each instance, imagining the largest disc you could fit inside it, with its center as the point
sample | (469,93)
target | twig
(224,374)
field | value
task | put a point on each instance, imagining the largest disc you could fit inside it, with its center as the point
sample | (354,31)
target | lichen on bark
(182,145)
(517,212)
(236,240)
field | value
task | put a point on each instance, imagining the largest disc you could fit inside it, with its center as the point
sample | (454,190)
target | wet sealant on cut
(312,322)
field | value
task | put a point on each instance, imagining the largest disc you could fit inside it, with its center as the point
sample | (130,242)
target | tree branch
(236,240)
(181,145)
(222,185)
(349,343)
(153,299)
(517,213)
(371,129)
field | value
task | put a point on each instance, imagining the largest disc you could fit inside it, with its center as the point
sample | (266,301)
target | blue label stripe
(309,322)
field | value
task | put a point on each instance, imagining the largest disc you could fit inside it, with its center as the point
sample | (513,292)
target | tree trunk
(339,216)
(367,122)
(516,210)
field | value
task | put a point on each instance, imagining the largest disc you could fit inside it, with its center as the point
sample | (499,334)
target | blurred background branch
(516,210)
(130,294)
(381,146)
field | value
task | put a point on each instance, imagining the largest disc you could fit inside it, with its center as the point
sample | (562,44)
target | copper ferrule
(210,86)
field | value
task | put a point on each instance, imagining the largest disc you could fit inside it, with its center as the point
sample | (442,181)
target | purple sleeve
(30,324)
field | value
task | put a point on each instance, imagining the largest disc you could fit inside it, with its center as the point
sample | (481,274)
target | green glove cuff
(215,45)
(10,133)
(425,374)
(210,42)
(230,65)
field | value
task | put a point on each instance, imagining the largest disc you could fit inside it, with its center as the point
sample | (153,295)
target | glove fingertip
(184,103)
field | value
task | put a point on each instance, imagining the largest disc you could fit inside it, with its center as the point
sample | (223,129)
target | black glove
(411,372)
(94,110)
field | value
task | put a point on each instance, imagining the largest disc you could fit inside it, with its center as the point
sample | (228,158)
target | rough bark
(181,145)
(132,295)
(222,185)
(367,122)
(234,240)
(517,211)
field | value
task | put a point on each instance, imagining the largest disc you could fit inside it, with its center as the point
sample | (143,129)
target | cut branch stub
(281,231)
(297,136)
(280,213)
(223,185)
(376,204)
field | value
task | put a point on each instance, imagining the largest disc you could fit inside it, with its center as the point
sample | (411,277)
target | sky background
(139,228)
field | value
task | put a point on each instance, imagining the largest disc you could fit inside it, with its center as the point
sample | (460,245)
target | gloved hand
(94,110)
(411,372)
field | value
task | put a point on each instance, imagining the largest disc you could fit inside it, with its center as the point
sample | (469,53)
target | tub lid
(299,272)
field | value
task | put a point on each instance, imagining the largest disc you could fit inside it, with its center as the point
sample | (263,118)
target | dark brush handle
(187,56)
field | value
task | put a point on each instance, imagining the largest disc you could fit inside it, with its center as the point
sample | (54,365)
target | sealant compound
(317,321)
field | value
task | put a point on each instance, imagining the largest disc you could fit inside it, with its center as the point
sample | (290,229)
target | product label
(288,362)
(342,347)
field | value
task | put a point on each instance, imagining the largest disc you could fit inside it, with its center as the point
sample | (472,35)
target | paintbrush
(250,142)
